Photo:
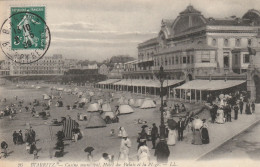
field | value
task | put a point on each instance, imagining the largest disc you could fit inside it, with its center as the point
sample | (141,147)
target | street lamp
(161,76)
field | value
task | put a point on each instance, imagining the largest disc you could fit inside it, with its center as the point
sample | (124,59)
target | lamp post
(161,76)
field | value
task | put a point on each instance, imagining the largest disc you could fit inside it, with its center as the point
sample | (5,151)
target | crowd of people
(224,105)
(221,112)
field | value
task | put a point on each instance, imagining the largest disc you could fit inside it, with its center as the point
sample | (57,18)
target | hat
(144,126)
(124,135)
(105,155)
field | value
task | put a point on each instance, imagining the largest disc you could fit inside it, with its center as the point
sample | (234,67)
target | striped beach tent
(68,125)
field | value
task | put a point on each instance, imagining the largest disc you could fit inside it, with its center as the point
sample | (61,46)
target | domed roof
(189,18)
(253,16)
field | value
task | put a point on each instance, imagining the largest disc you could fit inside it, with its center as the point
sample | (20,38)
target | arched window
(214,42)
(238,42)
(226,42)
(249,42)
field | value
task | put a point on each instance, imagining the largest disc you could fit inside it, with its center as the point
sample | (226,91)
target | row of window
(141,56)
(182,59)
(38,72)
(226,42)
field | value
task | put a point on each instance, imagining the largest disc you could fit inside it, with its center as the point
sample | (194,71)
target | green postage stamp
(24,36)
(28,27)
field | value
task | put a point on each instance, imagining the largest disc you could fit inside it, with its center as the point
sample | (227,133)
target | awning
(210,85)
(146,83)
(109,81)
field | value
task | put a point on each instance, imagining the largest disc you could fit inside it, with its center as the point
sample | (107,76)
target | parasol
(172,124)
(197,123)
(221,96)
(144,126)
(89,149)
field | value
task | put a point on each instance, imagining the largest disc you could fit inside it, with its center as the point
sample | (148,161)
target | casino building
(193,47)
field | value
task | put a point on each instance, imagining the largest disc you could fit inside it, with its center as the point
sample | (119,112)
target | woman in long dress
(220,116)
(205,134)
(172,135)
(143,153)
(248,110)
(196,137)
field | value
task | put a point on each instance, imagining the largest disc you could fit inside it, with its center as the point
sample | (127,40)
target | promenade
(219,134)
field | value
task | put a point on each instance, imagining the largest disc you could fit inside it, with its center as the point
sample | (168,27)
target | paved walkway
(219,134)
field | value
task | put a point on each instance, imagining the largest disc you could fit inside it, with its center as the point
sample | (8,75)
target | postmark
(25,36)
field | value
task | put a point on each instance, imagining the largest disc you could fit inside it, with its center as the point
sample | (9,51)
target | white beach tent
(106,107)
(120,100)
(125,109)
(46,97)
(93,107)
(126,101)
(131,102)
(138,102)
(83,100)
(60,89)
(107,111)
(95,120)
(148,103)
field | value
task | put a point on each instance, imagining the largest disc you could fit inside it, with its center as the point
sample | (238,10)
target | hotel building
(192,47)
(48,65)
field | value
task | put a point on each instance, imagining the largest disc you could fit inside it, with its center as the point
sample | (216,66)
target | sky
(100,29)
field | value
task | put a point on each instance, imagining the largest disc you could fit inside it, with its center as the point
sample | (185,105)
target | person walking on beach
(143,153)
(154,134)
(228,108)
(236,108)
(124,148)
(142,137)
(180,127)
(89,150)
(253,107)
(162,151)
(20,137)
(4,147)
(241,105)
(248,110)
(32,134)
(15,137)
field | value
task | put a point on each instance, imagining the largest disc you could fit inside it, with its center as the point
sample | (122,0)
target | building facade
(48,65)
(71,64)
(192,47)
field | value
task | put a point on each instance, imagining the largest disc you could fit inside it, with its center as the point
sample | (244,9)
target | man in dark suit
(236,108)
(180,126)
(241,105)
(228,108)
(154,134)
